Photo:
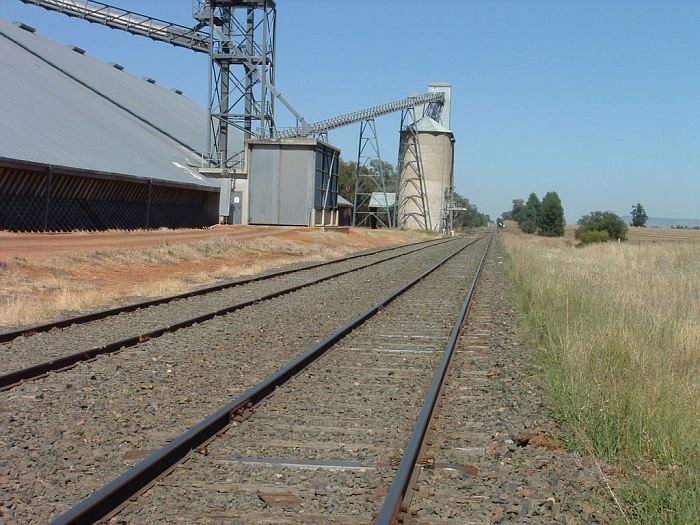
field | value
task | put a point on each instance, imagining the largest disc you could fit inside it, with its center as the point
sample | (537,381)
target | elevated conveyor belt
(323,126)
(134,23)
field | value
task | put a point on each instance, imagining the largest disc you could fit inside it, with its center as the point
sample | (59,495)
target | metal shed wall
(38,197)
(280,184)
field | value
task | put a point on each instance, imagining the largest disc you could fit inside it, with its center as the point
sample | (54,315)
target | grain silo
(426,168)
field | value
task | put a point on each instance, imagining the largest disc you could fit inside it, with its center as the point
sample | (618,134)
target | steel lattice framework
(370,181)
(134,23)
(431,100)
(412,206)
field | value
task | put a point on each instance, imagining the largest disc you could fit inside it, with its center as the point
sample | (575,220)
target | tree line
(547,218)
(544,217)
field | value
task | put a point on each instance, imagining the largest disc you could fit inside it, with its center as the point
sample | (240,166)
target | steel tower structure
(370,182)
(412,199)
(242,70)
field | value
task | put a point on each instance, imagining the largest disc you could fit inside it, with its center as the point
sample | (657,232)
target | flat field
(646,234)
(662,234)
(617,331)
(45,276)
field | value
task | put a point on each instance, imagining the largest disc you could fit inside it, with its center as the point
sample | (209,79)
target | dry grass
(662,234)
(618,332)
(35,290)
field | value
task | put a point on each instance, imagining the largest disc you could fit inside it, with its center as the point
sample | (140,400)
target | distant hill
(665,222)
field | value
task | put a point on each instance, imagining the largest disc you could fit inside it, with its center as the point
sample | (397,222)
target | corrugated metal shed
(291,180)
(64,108)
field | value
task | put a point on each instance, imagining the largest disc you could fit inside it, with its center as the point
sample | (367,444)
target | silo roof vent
(77,49)
(117,66)
(149,80)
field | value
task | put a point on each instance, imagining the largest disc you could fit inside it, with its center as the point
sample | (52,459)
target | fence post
(148,205)
(49,182)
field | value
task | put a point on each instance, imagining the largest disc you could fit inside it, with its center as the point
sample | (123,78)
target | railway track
(66,435)
(33,352)
(6,336)
(486,454)
(321,439)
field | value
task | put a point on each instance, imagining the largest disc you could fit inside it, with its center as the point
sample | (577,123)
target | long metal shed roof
(65,108)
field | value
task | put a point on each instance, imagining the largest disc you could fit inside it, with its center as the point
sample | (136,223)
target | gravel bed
(67,434)
(356,404)
(481,471)
(310,496)
(27,351)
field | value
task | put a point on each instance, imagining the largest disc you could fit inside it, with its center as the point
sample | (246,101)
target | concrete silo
(426,168)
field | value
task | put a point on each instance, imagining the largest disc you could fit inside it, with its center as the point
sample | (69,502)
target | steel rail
(115,494)
(13,379)
(394,501)
(101,314)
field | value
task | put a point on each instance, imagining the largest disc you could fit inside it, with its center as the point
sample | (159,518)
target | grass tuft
(617,328)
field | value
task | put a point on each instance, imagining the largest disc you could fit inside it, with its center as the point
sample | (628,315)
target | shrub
(602,220)
(589,236)
(528,226)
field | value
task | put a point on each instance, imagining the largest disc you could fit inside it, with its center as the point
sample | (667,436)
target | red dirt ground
(44,275)
(31,245)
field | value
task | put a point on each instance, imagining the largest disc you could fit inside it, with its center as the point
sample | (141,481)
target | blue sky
(598,100)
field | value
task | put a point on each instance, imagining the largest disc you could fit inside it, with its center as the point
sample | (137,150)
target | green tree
(530,214)
(551,217)
(639,216)
(602,221)
(346,179)
(388,169)
(469,218)
(517,211)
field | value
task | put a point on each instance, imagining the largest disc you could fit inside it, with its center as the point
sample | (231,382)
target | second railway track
(57,346)
(9,335)
(68,434)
